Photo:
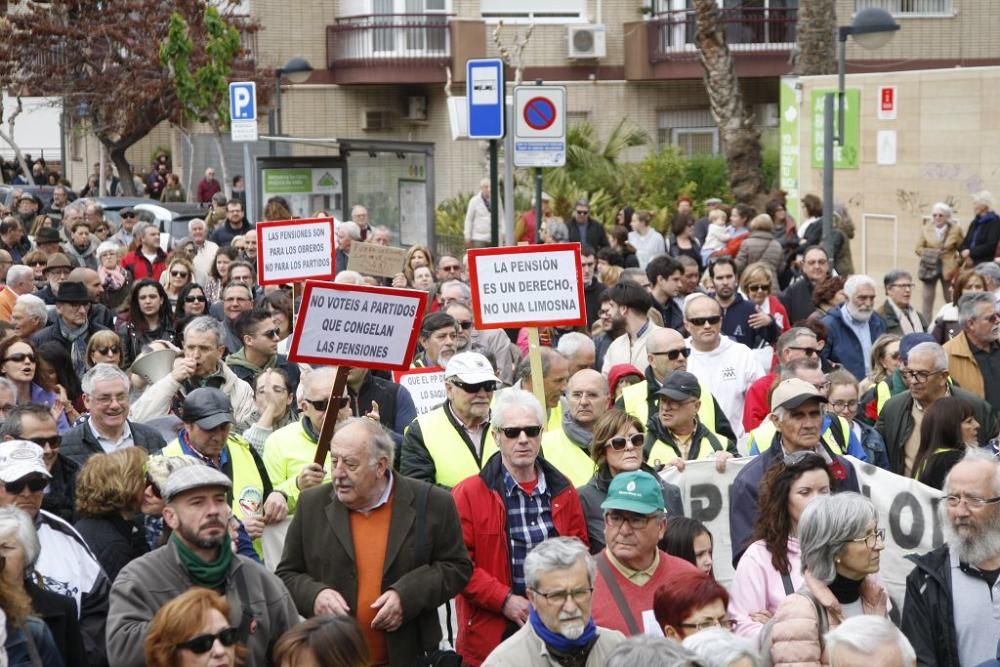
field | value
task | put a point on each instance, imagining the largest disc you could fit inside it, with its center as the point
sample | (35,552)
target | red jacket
(756,407)
(137,264)
(481,623)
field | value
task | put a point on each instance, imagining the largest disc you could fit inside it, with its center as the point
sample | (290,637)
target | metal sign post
(484,87)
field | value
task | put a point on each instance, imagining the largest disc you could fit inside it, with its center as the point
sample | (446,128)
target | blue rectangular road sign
(485,97)
(243,100)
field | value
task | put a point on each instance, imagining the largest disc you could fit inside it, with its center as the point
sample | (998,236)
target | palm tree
(817,34)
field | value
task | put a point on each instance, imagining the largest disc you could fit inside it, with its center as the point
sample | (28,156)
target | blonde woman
(179,272)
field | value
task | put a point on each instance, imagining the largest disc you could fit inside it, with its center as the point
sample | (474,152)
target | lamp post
(297,70)
(872,28)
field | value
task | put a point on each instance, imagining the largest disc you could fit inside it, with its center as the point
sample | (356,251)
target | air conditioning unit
(373,120)
(416,107)
(587,41)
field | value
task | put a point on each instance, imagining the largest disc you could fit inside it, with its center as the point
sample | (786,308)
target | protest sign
(294,250)
(906,509)
(426,387)
(527,286)
(372,259)
(357,325)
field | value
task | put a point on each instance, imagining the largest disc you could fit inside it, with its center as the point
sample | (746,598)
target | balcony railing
(748,29)
(388,39)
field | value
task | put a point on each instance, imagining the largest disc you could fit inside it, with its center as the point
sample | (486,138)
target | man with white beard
(965,568)
(854,327)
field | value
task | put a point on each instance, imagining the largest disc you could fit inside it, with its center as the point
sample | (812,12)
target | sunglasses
(111,349)
(702,321)
(512,432)
(758,288)
(322,404)
(808,351)
(34,484)
(53,441)
(195,299)
(620,442)
(38,263)
(152,486)
(180,274)
(128,215)
(488,386)
(204,643)
(673,354)
(270,333)
(465,324)
(18,357)
(583,212)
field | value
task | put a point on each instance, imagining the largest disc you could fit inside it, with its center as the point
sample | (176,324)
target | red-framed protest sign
(527,286)
(295,250)
(357,325)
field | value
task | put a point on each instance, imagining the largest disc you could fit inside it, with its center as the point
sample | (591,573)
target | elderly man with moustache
(518,501)
(560,576)
(854,327)
(377,546)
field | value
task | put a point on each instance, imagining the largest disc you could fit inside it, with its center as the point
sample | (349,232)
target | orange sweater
(370,534)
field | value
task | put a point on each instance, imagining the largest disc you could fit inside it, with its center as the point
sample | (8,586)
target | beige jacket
(157,400)
(525,649)
(950,260)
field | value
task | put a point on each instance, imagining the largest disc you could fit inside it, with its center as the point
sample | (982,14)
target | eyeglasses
(53,441)
(465,324)
(488,386)
(873,538)
(108,399)
(195,299)
(918,376)
(636,521)
(18,357)
(758,288)
(727,623)
(180,274)
(111,349)
(894,355)
(579,595)
(323,403)
(34,484)
(902,286)
(702,321)
(808,351)
(270,333)
(511,432)
(204,643)
(453,267)
(844,405)
(974,502)
(583,212)
(672,355)
(620,442)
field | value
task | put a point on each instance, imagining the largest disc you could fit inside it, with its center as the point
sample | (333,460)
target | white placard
(357,325)
(295,250)
(426,387)
(527,286)
(886,143)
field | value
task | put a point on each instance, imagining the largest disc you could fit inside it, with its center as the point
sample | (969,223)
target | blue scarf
(559,642)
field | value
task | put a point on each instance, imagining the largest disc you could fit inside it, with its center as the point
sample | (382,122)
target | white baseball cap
(470,368)
(20,458)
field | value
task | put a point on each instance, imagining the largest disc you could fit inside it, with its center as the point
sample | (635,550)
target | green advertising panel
(847,155)
(788,104)
(288,180)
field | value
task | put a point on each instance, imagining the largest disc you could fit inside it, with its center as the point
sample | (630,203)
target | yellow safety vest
(634,399)
(567,457)
(248,486)
(882,394)
(763,436)
(923,466)
(555,419)
(453,461)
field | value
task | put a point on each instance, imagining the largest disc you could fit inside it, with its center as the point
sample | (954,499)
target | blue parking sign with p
(243,100)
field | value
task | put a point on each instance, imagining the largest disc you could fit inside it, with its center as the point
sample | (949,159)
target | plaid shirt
(529,522)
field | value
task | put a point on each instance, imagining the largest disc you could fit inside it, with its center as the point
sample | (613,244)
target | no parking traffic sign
(539,126)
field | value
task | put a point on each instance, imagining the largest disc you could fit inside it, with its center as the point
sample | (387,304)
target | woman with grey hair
(718,647)
(981,240)
(53,625)
(937,249)
(841,544)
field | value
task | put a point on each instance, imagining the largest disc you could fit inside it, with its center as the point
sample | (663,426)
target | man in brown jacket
(375,545)
(974,354)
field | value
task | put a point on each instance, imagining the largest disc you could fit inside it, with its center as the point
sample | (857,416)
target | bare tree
(740,139)
(8,138)
(817,38)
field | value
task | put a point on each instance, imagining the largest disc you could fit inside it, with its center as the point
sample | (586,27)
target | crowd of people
(162,501)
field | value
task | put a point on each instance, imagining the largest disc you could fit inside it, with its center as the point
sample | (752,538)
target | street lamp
(297,70)
(872,28)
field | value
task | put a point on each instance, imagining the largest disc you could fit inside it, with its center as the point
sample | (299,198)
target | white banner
(906,508)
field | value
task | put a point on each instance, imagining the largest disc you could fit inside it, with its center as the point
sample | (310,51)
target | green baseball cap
(636,491)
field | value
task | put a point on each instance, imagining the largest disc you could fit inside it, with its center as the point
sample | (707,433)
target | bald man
(99,313)
(667,351)
(568,447)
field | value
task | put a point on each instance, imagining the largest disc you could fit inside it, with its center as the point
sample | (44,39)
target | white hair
(206,323)
(651,651)
(380,442)
(514,397)
(573,342)
(14,521)
(351,228)
(194,221)
(34,305)
(349,277)
(718,647)
(110,246)
(865,634)
(556,553)
(103,373)
(857,280)
(932,350)
(983,198)
(325,374)
(828,523)
(8,384)
(941,207)
(18,273)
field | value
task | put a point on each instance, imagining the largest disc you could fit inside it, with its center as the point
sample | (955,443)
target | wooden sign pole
(330,417)
(537,378)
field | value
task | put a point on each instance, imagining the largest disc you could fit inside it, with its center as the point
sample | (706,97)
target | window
(693,131)
(411,27)
(909,7)
(525,11)
(577,117)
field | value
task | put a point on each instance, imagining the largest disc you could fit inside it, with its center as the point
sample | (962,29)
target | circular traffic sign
(539,113)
